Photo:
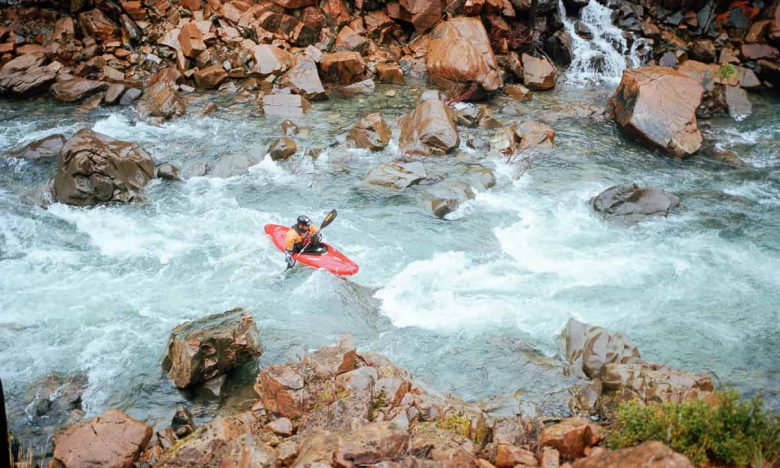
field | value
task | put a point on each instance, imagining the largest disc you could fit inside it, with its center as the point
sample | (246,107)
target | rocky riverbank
(337,406)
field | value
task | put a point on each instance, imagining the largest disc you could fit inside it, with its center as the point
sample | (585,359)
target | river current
(472,304)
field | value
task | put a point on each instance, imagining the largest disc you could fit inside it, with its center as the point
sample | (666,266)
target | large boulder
(657,105)
(76,89)
(46,148)
(632,204)
(653,383)
(344,67)
(424,13)
(428,129)
(460,57)
(538,73)
(589,349)
(397,175)
(112,439)
(571,437)
(271,60)
(95,23)
(96,168)
(28,74)
(651,454)
(162,101)
(304,79)
(211,346)
(370,132)
(209,77)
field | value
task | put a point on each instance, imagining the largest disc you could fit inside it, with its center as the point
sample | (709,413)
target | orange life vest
(294,236)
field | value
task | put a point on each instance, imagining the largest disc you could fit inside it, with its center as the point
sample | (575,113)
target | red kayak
(331,260)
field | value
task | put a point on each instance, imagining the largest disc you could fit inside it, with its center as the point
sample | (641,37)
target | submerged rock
(397,175)
(56,400)
(658,105)
(428,129)
(209,347)
(371,132)
(45,148)
(230,165)
(112,439)
(95,168)
(632,204)
(648,454)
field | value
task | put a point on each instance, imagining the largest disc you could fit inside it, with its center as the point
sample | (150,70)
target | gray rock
(45,148)
(737,102)
(589,349)
(167,171)
(397,175)
(632,204)
(232,165)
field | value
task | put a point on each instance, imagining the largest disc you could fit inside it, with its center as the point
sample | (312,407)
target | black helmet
(304,220)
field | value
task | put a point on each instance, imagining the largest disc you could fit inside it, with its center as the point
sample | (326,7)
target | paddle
(325,222)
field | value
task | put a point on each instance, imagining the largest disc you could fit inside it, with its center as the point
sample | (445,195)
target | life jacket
(298,236)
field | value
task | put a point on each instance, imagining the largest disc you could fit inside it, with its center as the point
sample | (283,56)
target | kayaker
(302,236)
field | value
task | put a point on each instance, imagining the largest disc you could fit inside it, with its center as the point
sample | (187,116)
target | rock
(282,149)
(371,132)
(191,40)
(182,423)
(281,389)
(428,129)
(317,451)
(343,67)
(55,400)
(167,171)
(651,454)
(45,148)
(231,165)
(589,349)
(361,87)
(529,135)
(669,59)
(295,4)
(28,74)
(130,96)
(460,57)
(658,106)
(349,39)
(703,50)
(285,105)
(518,92)
(397,176)
(632,204)
(95,168)
(281,426)
(509,456)
(95,23)
(113,93)
(271,60)
(424,13)
(653,383)
(303,79)
(559,48)
(390,73)
(371,444)
(112,439)
(76,89)
(209,347)
(538,73)
(551,458)
(161,101)
(289,128)
(737,102)
(209,77)
(758,51)
(571,437)
(749,79)
(446,196)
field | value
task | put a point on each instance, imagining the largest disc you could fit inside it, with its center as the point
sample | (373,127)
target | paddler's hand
(289,259)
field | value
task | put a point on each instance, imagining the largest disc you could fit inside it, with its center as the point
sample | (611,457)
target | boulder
(191,40)
(271,60)
(211,346)
(528,135)
(651,454)
(231,165)
(114,93)
(28,74)
(446,196)
(304,79)
(112,439)
(518,91)
(737,102)
(209,77)
(182,423)
(589,349)
(538,73)
(571,437)
(95,23)
(130,96)
(95,168)
(167,171)
(758,52)
(428,129)
(281,389)
(509,456)
(361,87)
(657,105)
(281,426)
(344,67)
(559,48)
(460,57)
(282,148)
(652,383)
(76,89)
(45,148)
(632,204)
(371,132)
(55,400)
(703,50)
(397,175)
(285,105)
(390,73)
(162,101)
(349,39)
(424,13)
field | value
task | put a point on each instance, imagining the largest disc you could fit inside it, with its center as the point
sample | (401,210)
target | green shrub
(727,71)
(722,430)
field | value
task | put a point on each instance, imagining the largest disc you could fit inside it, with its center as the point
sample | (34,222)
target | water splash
(603,58)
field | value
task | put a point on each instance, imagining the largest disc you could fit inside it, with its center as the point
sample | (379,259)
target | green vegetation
(727,71)
(456,423)
(722,430)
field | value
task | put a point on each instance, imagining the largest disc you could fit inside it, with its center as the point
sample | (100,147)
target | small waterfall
(606,55)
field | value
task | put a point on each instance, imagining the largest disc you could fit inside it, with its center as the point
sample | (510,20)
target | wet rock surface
(632,204)
(428,129)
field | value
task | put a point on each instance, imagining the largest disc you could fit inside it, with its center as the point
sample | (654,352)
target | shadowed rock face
(632,204)
(657,105)
(209,347)
(95,168)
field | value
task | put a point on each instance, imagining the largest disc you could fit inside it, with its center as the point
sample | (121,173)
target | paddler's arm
(289,243)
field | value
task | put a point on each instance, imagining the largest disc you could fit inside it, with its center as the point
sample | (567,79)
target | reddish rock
(652,454)
(281,389)
(571,437)
(509,456)
(396,176)
(191,40)
(361,87)
(551,458)
(460,56)
(112,439)
(372,443)
(390,73)
(378,25)
(271,60)
(336,11)
(191,5)
(294,4)
(304,79)
(427,129)
(113,93)
(95,23)
(343,67)
(162,101)
(589,349)
(45,148)
(654,383)
(282,149)
(209,77)
(518,92)
(349,39)
(538,73)
(168,75)
(285,105)
(211,346)
(317,451)
(658,105)
(424,13)
(76,89)
(758,51)
(281,426)
(28,74)
(371,132)
(529,135)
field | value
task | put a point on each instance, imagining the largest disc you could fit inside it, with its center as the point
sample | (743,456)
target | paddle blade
(328,218)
